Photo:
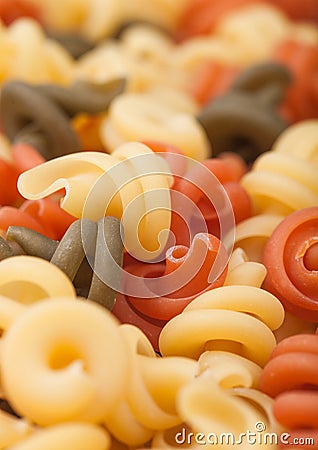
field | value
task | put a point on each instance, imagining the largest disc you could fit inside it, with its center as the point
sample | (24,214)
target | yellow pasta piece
(241,271)
(300,140)
(75,436)
(18,281)
(129,184)
(135,117)
(63,360)
(281,183)
(238,319)
(252,234)
(254,30)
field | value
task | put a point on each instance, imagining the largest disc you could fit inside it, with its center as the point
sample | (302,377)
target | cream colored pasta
(281,183)
(238,319)
(132,184)
(188,56)
(300,140)
(34,58)
(254,30)
(12,430)
(28,279)
(9,311)
(252,234)
(63,360)
(241,271)
(75,436)
(139,117)
(152,389)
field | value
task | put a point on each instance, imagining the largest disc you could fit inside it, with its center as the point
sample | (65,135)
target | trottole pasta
(55,362)
(134,182)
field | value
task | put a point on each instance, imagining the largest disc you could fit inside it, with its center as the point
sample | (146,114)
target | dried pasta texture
(63,360)
(156,115)
(282,181)
(219,320)
(291,378)
(290,257)
(132,184)
(30,56)
(149,402)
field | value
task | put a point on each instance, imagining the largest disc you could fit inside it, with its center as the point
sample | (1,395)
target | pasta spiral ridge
(48,362)
(219,320)
(46,109)
(132,184)
(290,377)
(283,181)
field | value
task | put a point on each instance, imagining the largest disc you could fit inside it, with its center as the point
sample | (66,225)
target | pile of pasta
(158,224)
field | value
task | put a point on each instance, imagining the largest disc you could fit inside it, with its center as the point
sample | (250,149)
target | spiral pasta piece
(245,119)
(252,234)
(290,257)
(281,184)
(78,436)
(150,399)
(63,360)
(206,406)
(131,184)
(39,115)
(18,282)
(300,140)
(36,58)
(291,378)
(219,319)
(136,117)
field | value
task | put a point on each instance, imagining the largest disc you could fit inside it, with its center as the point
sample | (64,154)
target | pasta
(36,58)
(222,314)
(78,436)
(286,377)
(290,257)
(150,402)
(136,117)
(17,280)
(244,119)
(153,295)
(45,109)
(45,339)
(128,173)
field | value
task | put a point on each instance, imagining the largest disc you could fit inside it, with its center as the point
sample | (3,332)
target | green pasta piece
(108,261)
(32,242)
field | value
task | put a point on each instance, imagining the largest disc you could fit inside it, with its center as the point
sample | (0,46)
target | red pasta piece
(10,215)
(201,16)
(212,79)
(126,313)
(290,257)
(166,289)
(8,183)
(301,101)
(10,10)
(50,215)
(298,10)
(25,157)
(291,376)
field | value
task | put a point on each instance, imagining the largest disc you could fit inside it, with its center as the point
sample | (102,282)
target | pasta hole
(63,356)
(311,258)
(23,291)
(225,346)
